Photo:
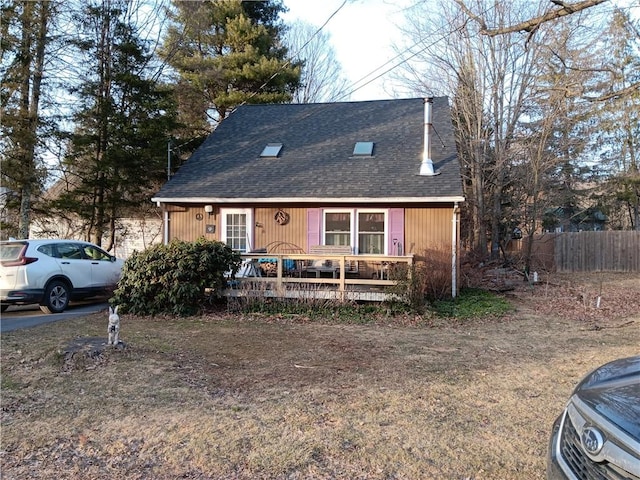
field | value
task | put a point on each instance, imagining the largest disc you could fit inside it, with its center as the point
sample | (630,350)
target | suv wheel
(56,297)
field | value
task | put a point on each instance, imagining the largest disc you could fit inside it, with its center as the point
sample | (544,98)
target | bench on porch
(331,266)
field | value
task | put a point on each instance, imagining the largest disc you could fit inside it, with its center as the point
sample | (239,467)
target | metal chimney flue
(426,167)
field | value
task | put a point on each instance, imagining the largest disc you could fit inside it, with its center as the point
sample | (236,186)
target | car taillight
(19,261)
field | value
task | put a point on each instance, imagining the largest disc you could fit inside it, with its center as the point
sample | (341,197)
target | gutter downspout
(165,223)
(166,227)
(455,219)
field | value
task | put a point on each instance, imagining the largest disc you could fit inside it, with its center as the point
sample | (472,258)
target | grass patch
(471,303)
(234,396)
(8,383)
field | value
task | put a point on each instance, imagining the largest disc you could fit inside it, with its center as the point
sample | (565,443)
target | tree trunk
(30,102)
(26,160)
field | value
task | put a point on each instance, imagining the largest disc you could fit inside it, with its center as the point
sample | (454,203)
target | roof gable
(316,160)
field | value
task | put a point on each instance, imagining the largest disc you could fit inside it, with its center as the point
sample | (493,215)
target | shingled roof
(316,162)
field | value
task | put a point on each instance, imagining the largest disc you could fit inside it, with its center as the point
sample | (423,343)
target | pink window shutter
(396,232)
(314,222)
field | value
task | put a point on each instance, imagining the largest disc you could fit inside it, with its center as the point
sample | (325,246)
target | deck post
(343,275)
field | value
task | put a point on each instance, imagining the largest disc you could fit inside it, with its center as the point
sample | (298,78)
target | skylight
(363,149)
(271,150)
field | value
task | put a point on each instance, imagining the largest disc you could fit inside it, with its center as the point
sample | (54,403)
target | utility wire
(288,62)
(441,33)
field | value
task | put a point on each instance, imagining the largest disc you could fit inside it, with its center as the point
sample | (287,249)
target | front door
(236,228)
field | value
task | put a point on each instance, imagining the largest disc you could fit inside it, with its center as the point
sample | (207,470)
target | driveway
(25,316)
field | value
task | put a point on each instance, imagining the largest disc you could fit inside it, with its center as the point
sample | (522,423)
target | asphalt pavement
(26,316)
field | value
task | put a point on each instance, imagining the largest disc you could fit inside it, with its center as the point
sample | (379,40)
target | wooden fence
(607,251)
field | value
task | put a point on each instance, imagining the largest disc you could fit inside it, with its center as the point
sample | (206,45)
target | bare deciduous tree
(531,25)
(322,79)
(526,133)
(488,79)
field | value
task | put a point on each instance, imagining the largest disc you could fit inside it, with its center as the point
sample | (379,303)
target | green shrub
(174,278)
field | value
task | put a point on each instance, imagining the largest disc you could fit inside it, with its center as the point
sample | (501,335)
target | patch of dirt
(87,353)
(598,298)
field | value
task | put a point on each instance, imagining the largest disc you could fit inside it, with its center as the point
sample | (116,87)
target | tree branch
(617,94)
(533,23)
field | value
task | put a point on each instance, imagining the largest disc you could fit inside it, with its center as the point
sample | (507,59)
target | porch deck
(315,276)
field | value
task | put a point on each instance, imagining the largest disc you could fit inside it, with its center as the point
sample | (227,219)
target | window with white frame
(236,228)
(371,232)
(365,230)
(337,228)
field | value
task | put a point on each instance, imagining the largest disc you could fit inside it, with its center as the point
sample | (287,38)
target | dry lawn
(221,397)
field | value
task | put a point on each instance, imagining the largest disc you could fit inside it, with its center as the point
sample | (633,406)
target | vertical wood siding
(427,229)
(271,235)
(184,225)
(424,228)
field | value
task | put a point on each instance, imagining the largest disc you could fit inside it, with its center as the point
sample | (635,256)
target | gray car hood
(613,390)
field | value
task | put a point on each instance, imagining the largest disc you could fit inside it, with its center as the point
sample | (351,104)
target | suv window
(49,250)
(94,253)
(11,251)
(69,250)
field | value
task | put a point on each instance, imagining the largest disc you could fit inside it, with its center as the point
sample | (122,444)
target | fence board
(607,251)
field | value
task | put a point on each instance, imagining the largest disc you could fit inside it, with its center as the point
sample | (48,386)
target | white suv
(52,272)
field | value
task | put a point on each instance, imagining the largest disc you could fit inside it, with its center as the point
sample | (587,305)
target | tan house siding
(425,228)
(429,236)
(189,223)
(268,233)
(428,233)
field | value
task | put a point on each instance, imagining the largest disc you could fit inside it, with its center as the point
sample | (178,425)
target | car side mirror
(112,258)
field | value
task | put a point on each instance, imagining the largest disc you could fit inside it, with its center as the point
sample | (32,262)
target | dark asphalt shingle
(316,159)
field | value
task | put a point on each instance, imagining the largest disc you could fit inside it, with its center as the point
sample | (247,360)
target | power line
(441,32)
(444,29)
(353,88)
(288,62)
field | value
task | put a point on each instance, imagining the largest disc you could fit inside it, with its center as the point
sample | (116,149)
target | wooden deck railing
(357,277)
